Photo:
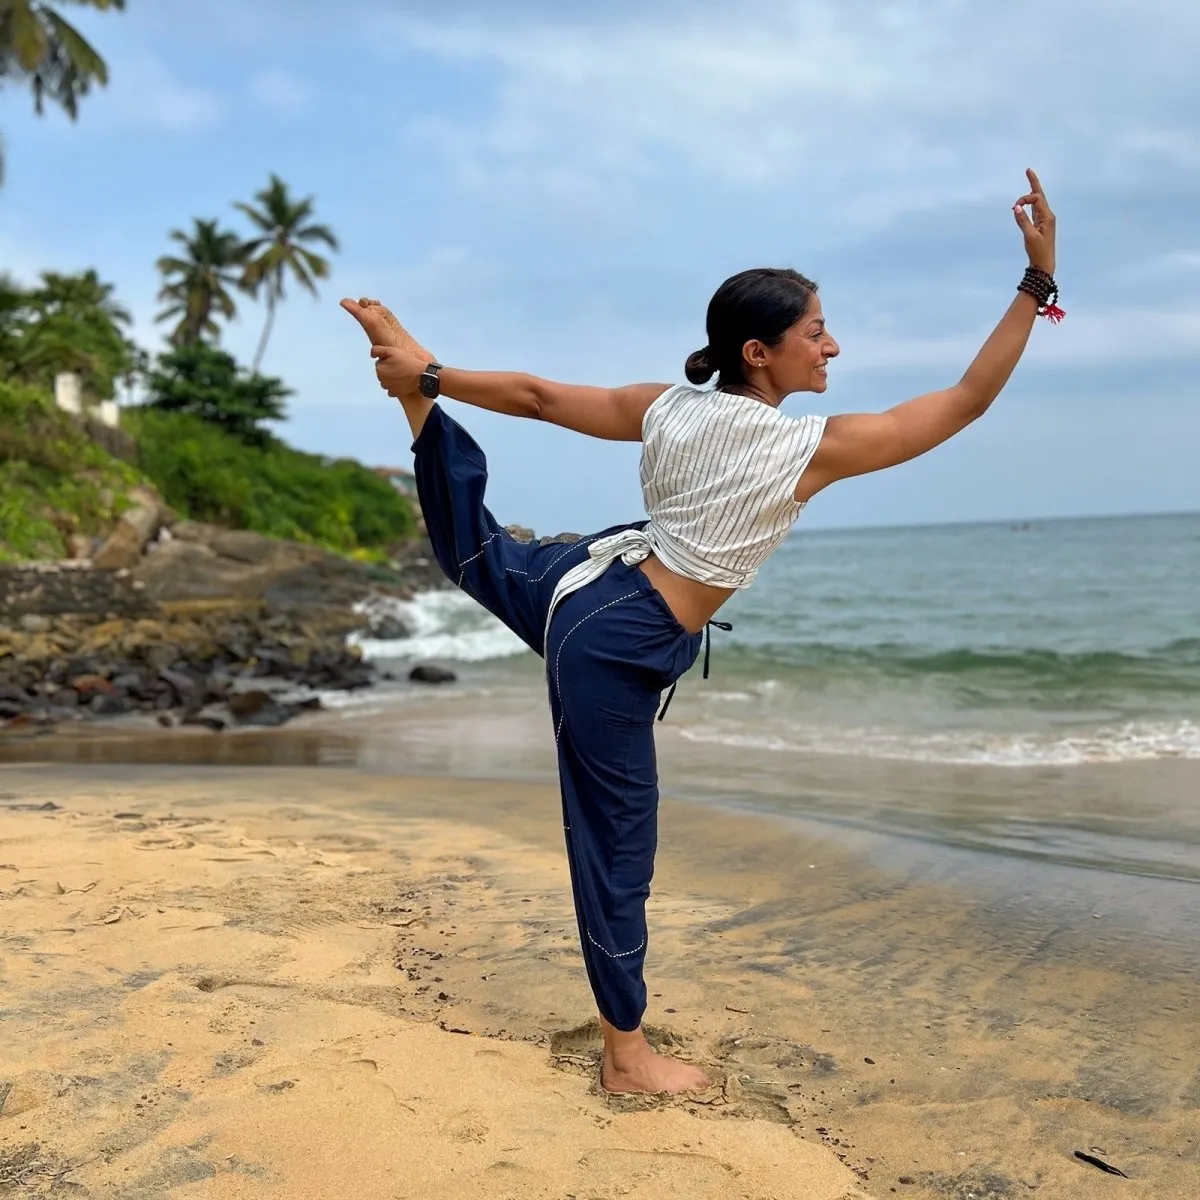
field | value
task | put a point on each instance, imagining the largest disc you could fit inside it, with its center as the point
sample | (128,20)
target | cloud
(281,91)
(892,106)
(1123,337)
(145,94)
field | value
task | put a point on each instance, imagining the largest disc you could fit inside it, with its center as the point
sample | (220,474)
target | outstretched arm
(612,413)
(857,443)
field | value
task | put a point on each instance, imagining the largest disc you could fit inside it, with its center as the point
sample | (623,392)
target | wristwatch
(430,382)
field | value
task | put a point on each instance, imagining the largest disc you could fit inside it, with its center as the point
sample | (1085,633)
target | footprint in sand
(467,1126)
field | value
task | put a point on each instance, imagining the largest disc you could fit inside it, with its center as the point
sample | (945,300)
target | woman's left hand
(398,371)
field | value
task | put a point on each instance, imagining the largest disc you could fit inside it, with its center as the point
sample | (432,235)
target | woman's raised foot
(382,326)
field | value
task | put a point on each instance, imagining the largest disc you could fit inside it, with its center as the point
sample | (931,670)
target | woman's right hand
(1039,232)
(399,370)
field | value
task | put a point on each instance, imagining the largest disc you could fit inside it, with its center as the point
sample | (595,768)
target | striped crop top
(719,474)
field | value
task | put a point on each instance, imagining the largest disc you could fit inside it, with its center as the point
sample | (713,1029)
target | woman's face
(798,362)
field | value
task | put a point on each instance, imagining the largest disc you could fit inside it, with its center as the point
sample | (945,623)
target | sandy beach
(289,982)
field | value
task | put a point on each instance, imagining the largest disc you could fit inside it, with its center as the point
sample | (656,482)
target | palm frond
(318,233)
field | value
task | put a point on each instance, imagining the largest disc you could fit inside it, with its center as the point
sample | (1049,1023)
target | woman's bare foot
(650,1072)
(631,1065)
(382,326)
(383,329)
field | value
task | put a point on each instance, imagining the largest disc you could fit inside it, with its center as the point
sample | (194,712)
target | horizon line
(801,529)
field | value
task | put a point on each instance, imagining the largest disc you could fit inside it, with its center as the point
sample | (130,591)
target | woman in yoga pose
(620,615)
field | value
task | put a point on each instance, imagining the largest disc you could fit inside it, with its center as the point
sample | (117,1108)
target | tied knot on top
(631,546)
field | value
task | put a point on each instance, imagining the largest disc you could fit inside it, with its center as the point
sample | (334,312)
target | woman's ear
(754,354)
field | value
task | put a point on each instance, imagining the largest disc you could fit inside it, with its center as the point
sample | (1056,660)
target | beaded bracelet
(1041,286)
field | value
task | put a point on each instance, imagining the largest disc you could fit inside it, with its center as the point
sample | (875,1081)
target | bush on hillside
(207,383)
(54,481)
(210,475)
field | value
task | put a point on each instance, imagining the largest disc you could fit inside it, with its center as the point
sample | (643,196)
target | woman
(621,615)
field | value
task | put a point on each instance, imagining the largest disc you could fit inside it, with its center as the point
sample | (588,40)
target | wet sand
(281,981)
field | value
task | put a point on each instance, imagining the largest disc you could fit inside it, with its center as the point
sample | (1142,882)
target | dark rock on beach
(428,673)
(262,708)
(388,629)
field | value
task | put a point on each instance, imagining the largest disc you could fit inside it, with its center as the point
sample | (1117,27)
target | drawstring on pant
(727,627)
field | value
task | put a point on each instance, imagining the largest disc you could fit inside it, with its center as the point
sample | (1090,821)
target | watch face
(430,385)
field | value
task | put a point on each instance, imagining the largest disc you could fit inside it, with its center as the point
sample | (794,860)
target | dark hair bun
(698,368)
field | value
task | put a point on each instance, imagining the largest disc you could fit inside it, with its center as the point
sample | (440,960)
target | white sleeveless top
(719,474)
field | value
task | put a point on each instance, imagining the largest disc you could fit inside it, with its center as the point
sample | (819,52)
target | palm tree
(284,225)
(37,45)
(199,283)
(77,296)
(72,323)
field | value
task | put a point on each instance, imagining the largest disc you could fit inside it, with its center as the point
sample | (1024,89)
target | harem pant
(613,647)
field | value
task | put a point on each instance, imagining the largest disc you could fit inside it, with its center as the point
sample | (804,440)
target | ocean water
(1010,707)
(1012,644)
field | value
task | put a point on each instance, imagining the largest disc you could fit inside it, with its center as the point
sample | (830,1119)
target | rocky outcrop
(204,562)
(137,526)
(199,624)
(193,661)
(203,613)
(44,590)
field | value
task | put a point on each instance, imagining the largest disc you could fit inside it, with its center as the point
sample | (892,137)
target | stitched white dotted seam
(554,561)
(623,953)
(558,656)
(463,565)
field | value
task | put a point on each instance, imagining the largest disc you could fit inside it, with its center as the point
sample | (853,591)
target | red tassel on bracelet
(1041,286)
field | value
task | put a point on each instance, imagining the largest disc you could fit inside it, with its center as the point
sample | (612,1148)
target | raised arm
(857,443)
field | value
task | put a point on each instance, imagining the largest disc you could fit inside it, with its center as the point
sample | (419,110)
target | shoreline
(1089,841)
(999,1040)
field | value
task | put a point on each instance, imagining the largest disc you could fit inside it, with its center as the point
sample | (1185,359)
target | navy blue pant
(614,646)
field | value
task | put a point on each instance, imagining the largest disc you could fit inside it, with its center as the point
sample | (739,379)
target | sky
(559,188)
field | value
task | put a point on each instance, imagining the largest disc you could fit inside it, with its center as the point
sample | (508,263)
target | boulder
(137,526)
(261,708)
(90,685)
(207,720)
(108,704)
(428,673)
(388,629)
(203,562)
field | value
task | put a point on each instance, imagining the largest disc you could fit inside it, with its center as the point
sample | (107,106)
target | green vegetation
(40,48)
(210,475)
(54,481)
(66,323)
(201,434)
(205,382)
